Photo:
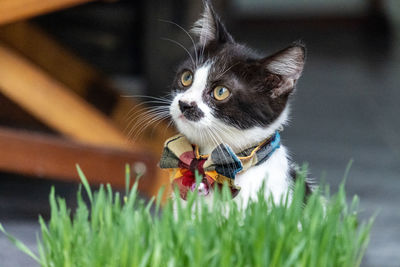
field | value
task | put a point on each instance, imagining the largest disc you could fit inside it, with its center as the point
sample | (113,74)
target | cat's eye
(187,78)
(221,92)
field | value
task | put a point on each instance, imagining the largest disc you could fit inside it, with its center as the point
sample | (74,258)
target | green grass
(125,230)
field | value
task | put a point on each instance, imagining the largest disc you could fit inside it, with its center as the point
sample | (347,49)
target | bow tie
(221,166)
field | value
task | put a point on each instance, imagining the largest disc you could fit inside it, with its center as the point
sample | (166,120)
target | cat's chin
(208,135)
(192,131)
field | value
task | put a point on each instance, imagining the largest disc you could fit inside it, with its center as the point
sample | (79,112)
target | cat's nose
(184,106)
(190,110)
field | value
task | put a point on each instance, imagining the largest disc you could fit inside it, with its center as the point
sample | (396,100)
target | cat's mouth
(190,111)
(185,118)
(191,116)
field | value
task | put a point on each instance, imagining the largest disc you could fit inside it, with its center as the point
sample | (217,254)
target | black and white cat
(226,93)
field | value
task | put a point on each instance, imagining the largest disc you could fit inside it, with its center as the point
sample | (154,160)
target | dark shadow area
(25,198)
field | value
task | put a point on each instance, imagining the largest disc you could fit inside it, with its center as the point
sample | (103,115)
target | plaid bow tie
(221,166)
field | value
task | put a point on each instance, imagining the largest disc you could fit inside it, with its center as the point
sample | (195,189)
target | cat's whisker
(228,131)
(156,123)
(135,134)
(203,44)
(187,33)
(182,46)
(166,128)
(136,122)
(139,111)
(170,124)
(234,135)
(157,102)
(143,112)
(217,143)
(202,136)
(163,102)
(221,132)
(162,99)
(149,113)
(202,52)
(132,118)
(226,70)
(210,138)
(152,121)
(146,117)
(137,106)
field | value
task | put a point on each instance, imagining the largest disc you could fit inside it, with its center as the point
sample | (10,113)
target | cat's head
(226,93)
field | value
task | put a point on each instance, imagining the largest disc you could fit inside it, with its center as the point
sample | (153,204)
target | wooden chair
(50,84)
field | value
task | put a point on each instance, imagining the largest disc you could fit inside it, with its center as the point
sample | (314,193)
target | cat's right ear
(209,27)
(288,64)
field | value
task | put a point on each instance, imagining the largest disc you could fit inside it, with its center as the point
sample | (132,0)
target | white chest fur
(274,173)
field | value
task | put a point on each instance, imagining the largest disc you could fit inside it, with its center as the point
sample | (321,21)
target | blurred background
(66,65)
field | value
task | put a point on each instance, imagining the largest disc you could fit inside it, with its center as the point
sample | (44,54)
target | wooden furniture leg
(52,103)
(54,157)
(14,10)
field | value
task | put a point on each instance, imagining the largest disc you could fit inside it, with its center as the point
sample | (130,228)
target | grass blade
(135,232)
(21,246)
(85,183)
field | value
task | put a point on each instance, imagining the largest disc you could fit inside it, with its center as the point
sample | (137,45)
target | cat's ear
(288,64)
(209,27)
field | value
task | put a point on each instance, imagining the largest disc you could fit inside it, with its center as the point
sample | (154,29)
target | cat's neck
(239,140)
(254,138)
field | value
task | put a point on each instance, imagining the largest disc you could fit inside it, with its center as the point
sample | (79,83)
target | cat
(227,96)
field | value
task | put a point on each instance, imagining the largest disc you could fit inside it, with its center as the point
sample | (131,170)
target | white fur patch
(274,173)
(288,63)
(204,28)
(239,139)
(210,131)
(194,94)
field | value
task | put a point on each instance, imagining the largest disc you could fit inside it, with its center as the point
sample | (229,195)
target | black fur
(191,111)
(307,184)
(258,93)
(260,86)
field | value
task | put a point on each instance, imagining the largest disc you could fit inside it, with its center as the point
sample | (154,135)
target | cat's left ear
(209,27)
(288,64)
